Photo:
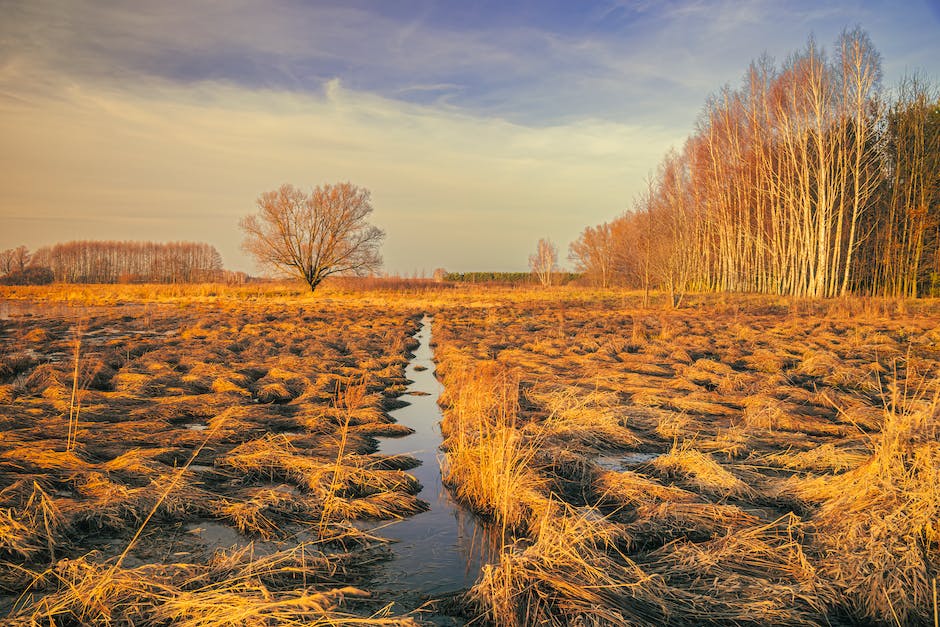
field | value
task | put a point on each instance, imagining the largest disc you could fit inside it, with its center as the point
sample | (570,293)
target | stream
(441,550)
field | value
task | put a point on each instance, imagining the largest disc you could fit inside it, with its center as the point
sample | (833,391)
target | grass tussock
(488,459)
(294,587)
(763,568)
(824,458)
(339,486)
(590,420)
(877,525)
(699,471)
(572,573)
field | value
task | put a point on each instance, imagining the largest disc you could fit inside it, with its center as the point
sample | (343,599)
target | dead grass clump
(41,379)
(382,429)
(263,512)
(649,398)
(270,457)
(755,575)
(764,412)
(137,465)
(733,442)
(833,370)
(741,383)
(573,573)
(591,420)
(44,458)
(16,363)
(275,392)
(707,372)
(699,471)
(132,383)
(864,416)
(225,385)
(16,537)
(631,489)
(818,363)
(87,591)
(763,360)
(385,505)
(488,459)
(342,487)
(702,403)
(658,523)
(106,504)
(673,425)
(877,524)
(824,458)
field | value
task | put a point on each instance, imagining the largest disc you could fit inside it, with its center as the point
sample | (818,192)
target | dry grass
(587,419)
(231,590)
(571,573)
(488,458)
(101,428)
(700,471)
(760,399)
(877,525)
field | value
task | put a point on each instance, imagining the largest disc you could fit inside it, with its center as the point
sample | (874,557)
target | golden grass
(229,591)
(186,376)
(877,524)
(699,471)
(589,419)
(571,573)
(488,459)
(537,382)
(824,458)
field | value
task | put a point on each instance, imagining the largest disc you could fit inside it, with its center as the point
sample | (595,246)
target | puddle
(215,534)
(195,426)
(617,462)
(443,549)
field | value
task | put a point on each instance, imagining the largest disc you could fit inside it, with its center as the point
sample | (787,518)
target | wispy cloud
(538,117)
(474,189)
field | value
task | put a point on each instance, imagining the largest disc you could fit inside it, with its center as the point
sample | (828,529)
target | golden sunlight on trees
(13,260)
(113,262)
(316,235)
(808,180)
(544,261)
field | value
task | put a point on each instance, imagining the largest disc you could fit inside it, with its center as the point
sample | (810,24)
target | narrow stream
(443,549)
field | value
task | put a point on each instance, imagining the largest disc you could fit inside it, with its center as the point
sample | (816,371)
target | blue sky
(479,126)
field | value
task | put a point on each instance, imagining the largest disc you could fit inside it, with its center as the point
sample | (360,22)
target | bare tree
(544,262)
(316,235)
(14,260)
(593,252)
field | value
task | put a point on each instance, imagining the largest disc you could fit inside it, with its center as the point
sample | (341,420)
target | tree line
(114,262)
(809,179)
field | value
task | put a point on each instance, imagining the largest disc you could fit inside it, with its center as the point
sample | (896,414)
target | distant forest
(114,262)
(809,180)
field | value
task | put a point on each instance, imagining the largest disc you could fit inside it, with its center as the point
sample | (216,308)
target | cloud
(477,129)
(187,161)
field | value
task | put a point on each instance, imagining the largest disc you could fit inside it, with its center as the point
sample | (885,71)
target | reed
(488,460)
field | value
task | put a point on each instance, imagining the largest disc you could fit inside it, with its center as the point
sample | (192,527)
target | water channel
(441,550)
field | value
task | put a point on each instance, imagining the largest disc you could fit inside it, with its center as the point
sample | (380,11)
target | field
(207,455)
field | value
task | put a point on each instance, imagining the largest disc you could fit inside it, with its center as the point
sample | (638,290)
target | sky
(478,127)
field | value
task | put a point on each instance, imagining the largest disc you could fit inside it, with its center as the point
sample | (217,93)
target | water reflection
(443,549)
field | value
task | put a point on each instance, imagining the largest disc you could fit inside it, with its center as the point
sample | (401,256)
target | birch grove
(807,180)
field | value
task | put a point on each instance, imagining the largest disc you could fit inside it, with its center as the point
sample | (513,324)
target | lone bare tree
(544,261)
(312,236)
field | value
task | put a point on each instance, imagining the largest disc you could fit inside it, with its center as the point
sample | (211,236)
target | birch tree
(544,261)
